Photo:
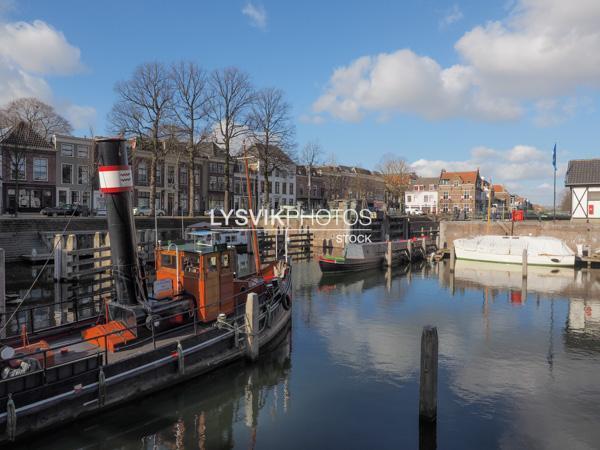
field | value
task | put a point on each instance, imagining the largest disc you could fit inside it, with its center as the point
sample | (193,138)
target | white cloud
(523,169)
(313,119)
(257,15)
(452,15)
(544,49)
(29,52)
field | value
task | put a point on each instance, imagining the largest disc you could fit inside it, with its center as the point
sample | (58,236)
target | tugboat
(199,316)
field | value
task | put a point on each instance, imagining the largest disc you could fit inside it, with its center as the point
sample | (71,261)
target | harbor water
(518,368)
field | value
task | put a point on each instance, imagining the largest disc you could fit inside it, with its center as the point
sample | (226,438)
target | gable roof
(466,177)
(425,181)
(22,135)
(583,172)
(497,188)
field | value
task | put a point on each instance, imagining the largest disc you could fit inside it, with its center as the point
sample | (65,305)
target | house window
(67,149)
(171,175)
(83,175)
(284,188)
(142,173)
(426,199)
(292,188)
(409,199)
(197,178)
(183,175)
(466,195)
(40,169)
(216,168)
(83,151)
(18,169)
(159,170)
(262,187)
(277,187)
(143,199)
(74,197)
(62,197)
(67,173)
(446,195)
(86,198)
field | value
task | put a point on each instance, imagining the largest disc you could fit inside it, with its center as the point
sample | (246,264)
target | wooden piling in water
(452,259)
(524,266)
(429,374)
(251,319)
(2,294)
(388,254)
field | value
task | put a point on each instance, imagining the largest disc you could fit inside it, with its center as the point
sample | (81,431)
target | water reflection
(518,368)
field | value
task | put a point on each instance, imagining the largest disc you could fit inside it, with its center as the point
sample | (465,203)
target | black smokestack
(116,183)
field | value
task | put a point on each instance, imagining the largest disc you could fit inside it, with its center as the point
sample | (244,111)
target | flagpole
(554,164)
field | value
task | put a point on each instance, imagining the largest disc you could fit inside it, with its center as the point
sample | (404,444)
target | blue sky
(440,83)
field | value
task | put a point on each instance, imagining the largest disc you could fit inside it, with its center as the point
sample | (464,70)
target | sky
(443,84)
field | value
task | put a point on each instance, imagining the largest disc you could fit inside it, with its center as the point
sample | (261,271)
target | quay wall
(572,233)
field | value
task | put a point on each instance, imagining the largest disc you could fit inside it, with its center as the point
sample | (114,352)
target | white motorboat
(541,250)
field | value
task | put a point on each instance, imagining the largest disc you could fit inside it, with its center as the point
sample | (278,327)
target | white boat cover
(514,245)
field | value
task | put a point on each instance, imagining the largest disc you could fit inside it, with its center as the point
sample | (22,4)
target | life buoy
(286,302)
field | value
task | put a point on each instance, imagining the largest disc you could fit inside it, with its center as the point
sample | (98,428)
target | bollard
(429,371)
(524,263)
(252,313)
(180,359)
(101,388)
(452,259)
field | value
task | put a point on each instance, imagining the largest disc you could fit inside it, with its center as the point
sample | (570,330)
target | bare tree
(566,201)
(144,105)
(191,109)
(230,98)
(272,131)
(39,116)
(310,157)
(396,176)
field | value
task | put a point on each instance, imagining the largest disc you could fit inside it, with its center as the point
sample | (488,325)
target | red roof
(498,188)
(466,177)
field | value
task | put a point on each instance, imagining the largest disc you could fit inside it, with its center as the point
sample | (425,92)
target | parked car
(414,211)
(146,211)
(66,210)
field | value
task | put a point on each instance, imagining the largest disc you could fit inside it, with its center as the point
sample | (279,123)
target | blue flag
(554,157)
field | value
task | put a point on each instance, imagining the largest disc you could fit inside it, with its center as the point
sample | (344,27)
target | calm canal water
(516,370)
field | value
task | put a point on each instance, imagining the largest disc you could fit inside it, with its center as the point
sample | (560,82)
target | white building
(583,177)
(422,196)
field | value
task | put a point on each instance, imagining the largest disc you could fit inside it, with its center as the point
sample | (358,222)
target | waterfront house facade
(28,170)
(460,192)
(281,178)
(583,178)
(318,194)
(74,170)
(422,195)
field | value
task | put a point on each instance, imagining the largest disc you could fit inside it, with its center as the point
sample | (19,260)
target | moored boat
(200,315)
(541,250)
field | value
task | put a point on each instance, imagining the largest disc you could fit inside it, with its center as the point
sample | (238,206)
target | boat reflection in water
(221,410)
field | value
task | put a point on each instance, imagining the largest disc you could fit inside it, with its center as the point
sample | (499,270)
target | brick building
(460,192)
(28,170)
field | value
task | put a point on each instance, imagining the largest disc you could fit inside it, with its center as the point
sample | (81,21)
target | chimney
(116,183)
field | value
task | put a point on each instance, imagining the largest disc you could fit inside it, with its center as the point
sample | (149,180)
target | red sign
(590,210)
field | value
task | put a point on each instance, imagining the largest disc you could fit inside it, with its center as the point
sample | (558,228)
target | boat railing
(42,355)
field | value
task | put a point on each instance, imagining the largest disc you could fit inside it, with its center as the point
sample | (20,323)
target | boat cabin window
(225,260)
(191,263)
(212,263)
(168,261)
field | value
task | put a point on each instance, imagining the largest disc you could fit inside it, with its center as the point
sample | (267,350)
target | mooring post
(429,374)
(252,313)
(409,248)
(388,254)
(2,294)
(524,263)
(452,259)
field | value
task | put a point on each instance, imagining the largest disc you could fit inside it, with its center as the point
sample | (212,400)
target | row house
(313,185)
(28,170)
(355,185)
(460,192)
(422,195)
(583,179)
(281,179)
(75,171)
(173,179)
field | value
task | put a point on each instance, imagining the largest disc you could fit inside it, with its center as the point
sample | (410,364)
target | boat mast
(116,183)
(253,227)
